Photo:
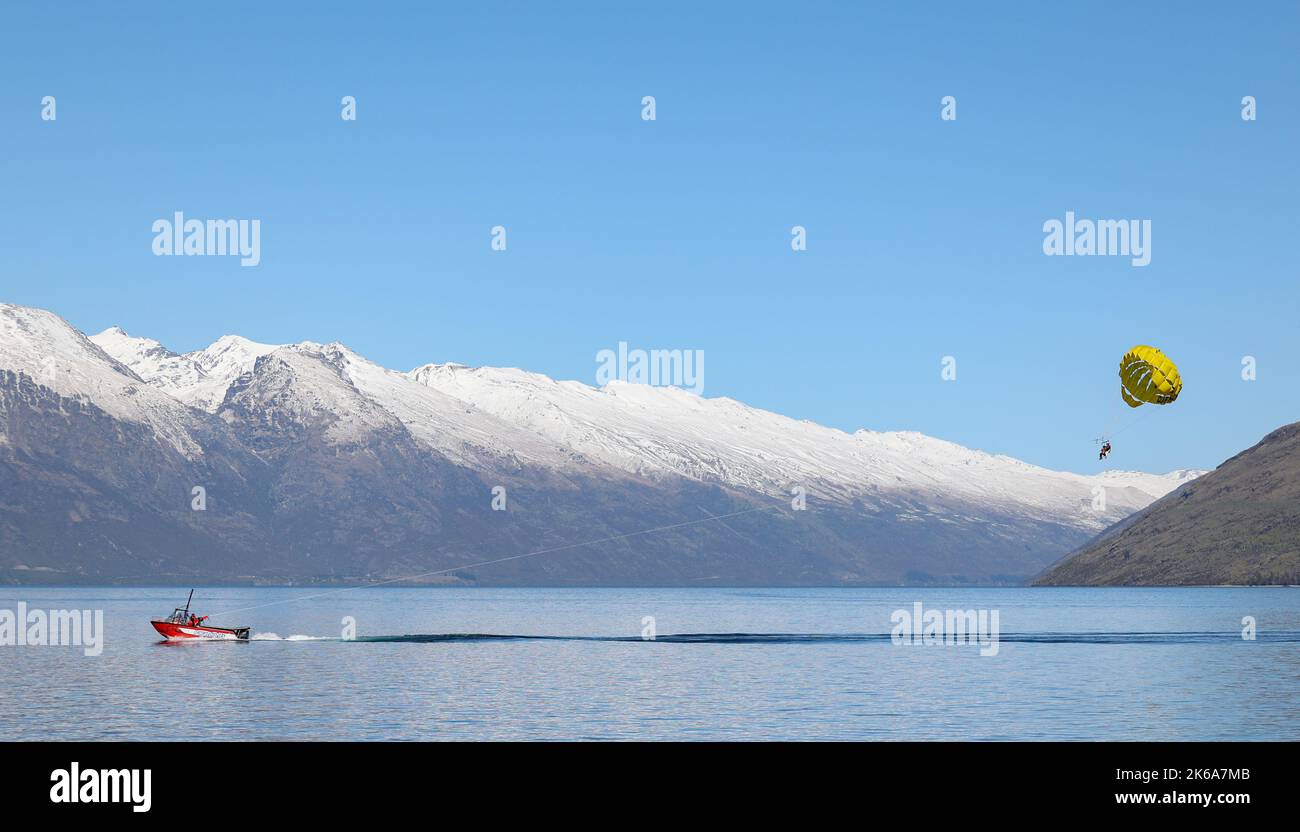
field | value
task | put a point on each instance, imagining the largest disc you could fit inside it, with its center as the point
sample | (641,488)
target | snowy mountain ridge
(663,430)
(476,413)
(320,465)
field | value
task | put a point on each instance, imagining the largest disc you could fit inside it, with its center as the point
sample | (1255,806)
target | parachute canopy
(1148,376)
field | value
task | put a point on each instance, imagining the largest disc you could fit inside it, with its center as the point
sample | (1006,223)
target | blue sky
(924,236)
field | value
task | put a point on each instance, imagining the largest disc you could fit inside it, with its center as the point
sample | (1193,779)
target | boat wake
(1199,637)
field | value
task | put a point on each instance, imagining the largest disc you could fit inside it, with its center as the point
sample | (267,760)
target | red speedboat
(184,624)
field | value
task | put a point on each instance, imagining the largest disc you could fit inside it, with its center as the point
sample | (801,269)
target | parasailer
(1146,376)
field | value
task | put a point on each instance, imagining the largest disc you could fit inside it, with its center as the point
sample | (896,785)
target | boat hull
(171,631)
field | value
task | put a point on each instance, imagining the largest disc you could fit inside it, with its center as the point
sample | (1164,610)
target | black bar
(270,781)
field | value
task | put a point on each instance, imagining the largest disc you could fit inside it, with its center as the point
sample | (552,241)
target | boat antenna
(187,601)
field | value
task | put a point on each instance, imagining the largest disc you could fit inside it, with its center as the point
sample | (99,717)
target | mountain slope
(320,465)
(1239,524)
(97,468)
(658,431)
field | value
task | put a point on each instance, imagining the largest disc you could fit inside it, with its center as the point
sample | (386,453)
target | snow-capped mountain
(320,464)
(46,349)
(657,431)
(362,393)
(97,467)
(199,379)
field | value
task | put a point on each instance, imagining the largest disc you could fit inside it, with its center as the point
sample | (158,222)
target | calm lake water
(727,664)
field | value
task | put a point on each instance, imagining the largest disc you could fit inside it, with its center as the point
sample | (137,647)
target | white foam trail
(277,637)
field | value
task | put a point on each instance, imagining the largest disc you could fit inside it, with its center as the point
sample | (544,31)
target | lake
(722,664)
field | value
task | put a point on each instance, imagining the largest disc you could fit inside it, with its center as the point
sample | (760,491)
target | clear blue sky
(924,238)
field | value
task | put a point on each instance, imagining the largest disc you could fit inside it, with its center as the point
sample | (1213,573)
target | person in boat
(1105,449)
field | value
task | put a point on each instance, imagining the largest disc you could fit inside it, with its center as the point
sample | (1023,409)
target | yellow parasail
(1148,376)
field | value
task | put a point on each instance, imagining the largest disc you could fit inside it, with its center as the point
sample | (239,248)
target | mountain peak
(128,345)
(239,343)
